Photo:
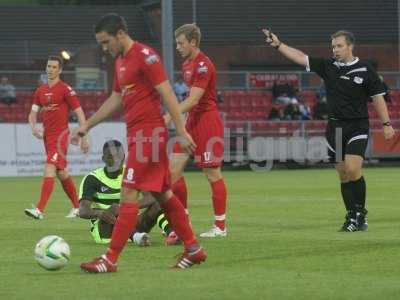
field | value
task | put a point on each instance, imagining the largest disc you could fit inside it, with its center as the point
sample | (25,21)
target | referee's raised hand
(271,38)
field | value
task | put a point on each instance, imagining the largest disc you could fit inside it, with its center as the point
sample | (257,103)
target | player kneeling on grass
(99,195)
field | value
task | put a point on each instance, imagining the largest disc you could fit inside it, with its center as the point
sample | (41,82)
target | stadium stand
(238,106)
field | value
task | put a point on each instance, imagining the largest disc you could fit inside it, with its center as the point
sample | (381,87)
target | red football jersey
(135,76)
(200,72)
(55,103)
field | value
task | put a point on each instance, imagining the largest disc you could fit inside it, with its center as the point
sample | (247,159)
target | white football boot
(34,213)
(73,213)
(215,231)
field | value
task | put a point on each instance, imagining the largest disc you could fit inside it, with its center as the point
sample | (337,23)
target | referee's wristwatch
(386,123)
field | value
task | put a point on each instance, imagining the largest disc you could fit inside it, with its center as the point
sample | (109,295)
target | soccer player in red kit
(139,81)
(204,124)
(54,100)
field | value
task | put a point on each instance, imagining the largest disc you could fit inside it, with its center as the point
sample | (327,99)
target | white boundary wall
(21,154)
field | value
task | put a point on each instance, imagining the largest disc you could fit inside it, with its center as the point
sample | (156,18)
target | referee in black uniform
(350,83)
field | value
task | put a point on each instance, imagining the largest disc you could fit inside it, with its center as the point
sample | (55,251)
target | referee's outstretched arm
(302,59)
(293,54)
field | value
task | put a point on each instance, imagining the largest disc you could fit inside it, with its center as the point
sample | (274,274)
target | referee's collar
(347,64)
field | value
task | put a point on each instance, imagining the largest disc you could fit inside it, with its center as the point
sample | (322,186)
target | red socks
(180,191)
(69,188)
(48,186)
(179,221)
(125,225)
(47,189)
(219,195)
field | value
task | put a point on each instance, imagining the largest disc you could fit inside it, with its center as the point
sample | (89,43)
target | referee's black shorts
(346,137)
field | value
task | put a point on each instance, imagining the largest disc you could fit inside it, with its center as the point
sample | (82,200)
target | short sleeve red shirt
(135,76)
(55,103)
(200,72)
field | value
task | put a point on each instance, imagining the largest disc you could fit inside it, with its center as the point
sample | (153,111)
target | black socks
(359,189)
(354,193)
(347,195)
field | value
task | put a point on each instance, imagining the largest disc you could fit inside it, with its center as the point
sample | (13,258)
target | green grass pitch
(282,244)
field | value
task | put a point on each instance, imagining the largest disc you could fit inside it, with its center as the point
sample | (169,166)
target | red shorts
(207,132)
(56,150)
(147,166)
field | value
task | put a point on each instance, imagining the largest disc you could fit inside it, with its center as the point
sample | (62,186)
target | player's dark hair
(111,23)
(111,143)
(190,31)
(350,39)
(56,58)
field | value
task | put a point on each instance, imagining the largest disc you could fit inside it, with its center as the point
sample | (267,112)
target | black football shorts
(346,137)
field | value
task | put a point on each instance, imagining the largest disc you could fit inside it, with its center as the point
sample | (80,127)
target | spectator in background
(180,89)
(321,111)
(220,98)
(42,79)
(292,111)
(7,91)
(283,92)
(321,107)
(276,114)
(305,111)
(321,92)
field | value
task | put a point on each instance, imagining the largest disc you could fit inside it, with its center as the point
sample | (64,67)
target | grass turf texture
(282,244)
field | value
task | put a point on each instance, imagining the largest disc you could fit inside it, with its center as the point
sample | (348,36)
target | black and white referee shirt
(349,86)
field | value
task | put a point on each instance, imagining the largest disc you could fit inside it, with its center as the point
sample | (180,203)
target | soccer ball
(52,252)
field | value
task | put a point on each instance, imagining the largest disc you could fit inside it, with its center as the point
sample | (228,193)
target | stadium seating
(395,96)
(19,111)
(309,97)
(238,106)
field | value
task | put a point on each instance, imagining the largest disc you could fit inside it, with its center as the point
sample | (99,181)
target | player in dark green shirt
(99,195)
